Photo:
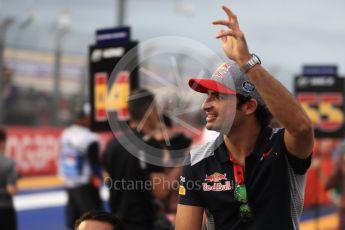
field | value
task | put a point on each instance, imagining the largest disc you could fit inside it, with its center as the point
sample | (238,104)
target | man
(252,176)
(136,182)
(98,220)
(80,168)
(8,181)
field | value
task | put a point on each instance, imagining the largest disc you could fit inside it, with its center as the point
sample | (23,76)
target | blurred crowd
(32,107)
(142,179)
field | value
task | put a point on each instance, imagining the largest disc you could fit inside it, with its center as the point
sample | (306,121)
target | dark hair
(100,216)
(139,102)
(167,121)
(2,134)
(262,114)
(80,114)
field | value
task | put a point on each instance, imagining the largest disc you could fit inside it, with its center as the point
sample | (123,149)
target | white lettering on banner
(107,53)
(34,153)
(113,52)
(96,55)
(315,81)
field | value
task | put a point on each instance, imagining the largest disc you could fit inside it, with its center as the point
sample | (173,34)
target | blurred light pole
(62,28)
(121,12)
(4,25)
(28,20)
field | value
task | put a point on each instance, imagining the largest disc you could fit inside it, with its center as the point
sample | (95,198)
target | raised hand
(233,40)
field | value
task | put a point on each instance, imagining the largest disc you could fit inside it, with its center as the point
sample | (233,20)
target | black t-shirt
(274,180)
(131,197)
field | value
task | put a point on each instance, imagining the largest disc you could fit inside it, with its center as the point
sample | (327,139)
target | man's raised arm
(299,135)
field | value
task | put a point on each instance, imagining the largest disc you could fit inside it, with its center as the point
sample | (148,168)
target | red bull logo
(216,177)
(221,71)
(217,187)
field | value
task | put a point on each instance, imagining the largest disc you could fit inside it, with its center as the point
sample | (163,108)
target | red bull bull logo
(213,182)
(216,177)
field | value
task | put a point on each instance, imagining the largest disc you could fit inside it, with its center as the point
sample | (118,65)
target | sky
(284,34)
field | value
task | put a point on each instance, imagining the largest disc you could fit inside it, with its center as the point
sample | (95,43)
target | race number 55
(324,109)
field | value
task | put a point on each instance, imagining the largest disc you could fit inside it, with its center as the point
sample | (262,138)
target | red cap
(201,85)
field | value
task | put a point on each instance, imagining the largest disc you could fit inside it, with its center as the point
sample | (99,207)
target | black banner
(108,96)
(322,97)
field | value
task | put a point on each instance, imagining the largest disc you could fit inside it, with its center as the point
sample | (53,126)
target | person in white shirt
(80,168)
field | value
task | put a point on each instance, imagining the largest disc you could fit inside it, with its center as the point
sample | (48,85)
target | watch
(251,63)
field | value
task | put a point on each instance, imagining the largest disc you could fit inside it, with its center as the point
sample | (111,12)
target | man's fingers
(223,34)
(221,22)
(228,12)
(223,38)
(231,15)
(231,22)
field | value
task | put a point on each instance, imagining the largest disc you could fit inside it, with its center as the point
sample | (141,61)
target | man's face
(220,111)
(87,120)
(150,121)
(94,225)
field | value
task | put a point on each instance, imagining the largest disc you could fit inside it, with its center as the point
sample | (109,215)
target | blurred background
(45,76)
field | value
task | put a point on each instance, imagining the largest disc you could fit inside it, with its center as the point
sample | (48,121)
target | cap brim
(202,85)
